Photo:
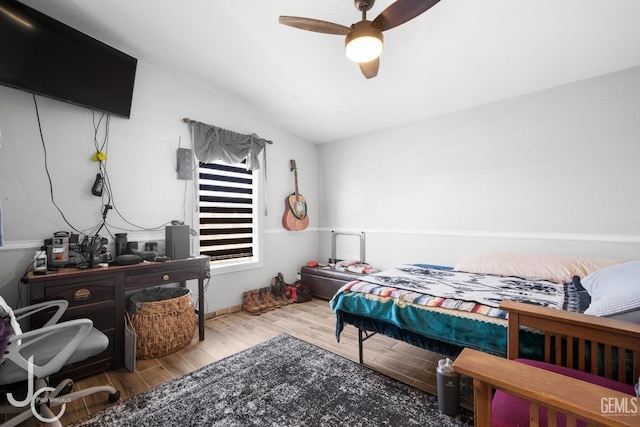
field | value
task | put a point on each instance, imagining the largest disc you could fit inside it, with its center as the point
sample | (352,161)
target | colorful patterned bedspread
(454,307)
(470,292)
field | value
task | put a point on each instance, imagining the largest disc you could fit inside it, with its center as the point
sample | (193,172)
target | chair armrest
(28,341)
(608,325)
(554,391)
(566,332)
(27,311)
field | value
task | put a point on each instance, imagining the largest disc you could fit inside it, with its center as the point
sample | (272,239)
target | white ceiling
(459,54)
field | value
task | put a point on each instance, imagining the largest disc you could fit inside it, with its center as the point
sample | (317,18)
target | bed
(445,309)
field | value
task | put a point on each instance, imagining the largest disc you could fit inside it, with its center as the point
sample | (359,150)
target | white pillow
(554,268)
(614,290)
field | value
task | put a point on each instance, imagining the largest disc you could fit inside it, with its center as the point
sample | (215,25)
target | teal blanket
(449,328)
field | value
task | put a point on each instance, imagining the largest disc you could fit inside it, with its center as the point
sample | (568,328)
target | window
(228,207)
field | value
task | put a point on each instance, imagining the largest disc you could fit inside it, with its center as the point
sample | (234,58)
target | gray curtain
(211,143)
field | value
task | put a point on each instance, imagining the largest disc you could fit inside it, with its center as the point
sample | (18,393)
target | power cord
(24,280)
(106,191)
(103,175)
(46,166)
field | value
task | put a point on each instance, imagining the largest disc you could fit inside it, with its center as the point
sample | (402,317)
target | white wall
(551,172)
(141,164)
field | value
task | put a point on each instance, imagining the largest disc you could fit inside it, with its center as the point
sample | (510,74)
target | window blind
(227,202)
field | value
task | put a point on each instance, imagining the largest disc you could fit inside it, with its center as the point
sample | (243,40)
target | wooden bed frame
(586,335)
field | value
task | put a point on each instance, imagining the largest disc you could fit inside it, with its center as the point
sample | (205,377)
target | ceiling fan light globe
(364,49)
(364,43)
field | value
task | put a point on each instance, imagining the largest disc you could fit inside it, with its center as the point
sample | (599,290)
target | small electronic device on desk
(65,249)
(58,249)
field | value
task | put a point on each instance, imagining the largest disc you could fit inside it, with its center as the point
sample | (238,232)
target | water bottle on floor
(448,383)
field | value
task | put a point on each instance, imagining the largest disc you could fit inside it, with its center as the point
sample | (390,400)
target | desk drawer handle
(82,294)
(165,277)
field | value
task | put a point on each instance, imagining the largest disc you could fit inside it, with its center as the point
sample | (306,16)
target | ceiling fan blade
(370,69)
(400,12)
(315,25)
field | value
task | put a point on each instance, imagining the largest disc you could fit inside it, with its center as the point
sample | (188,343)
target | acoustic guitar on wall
(295,216)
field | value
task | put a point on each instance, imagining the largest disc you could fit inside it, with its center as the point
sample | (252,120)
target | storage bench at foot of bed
(325,281)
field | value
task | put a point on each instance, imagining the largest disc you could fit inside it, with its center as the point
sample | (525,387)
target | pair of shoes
(278,290)
(264,299)
(275,291)
(250,303)
(258,301)
(282,291)
(268,299)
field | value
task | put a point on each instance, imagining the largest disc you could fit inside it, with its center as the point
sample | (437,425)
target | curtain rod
(188,120)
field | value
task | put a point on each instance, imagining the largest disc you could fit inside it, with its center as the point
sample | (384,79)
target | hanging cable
(46,166)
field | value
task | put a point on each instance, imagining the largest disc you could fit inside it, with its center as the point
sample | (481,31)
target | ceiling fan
(364,40)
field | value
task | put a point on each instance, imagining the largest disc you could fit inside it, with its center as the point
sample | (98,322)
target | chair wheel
(113,397)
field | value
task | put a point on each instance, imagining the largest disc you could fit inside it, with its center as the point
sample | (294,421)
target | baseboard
(223,311)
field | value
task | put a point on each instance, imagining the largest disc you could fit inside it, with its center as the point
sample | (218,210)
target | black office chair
(32,356)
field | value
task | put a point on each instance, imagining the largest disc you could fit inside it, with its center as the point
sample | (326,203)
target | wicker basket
(163,319)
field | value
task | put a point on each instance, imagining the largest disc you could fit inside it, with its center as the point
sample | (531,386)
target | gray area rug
(281,382)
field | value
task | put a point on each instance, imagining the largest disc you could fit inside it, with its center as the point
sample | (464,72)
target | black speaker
(177,241)
(127,259)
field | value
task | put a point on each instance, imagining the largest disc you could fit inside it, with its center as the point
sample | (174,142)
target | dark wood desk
(99,294)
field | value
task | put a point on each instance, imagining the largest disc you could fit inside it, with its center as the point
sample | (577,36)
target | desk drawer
(102,315)
(87,292)
(158,278)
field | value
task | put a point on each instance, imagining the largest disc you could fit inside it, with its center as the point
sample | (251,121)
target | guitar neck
(295,179)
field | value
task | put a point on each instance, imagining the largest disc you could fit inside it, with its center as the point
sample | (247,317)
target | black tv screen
(41,55)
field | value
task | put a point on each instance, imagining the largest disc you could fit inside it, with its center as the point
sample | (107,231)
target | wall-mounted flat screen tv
(41,55)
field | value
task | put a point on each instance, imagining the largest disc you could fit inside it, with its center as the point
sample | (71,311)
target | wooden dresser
(99,294)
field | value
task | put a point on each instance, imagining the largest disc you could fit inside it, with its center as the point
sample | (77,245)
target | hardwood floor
(225,335)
